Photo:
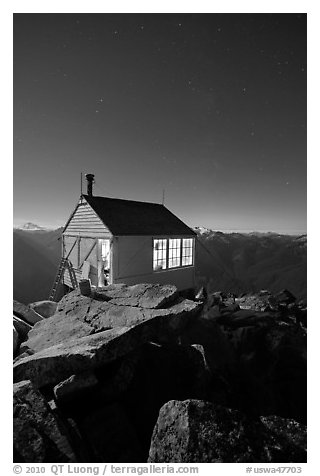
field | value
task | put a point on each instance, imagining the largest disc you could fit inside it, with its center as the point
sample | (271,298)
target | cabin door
(104,262)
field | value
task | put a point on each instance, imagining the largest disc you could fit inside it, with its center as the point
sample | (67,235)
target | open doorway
(104,262)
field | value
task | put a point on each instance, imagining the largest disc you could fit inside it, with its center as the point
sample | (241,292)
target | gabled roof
(128,217)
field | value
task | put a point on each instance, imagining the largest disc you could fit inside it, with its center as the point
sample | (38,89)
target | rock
(264,292)
(114,382)
(285,297)
(15,341)
(230,308)
(255,302)
(162,372)
(75,384)
(217,348)
(78,316)
(271,366)
(218,297)
(201,294)
(58,362)
(245,318)
(219,356)
(56,330)
(26,313)
(44,308)
(244,314)
(147,296)
(212,313)
(21,327)
(110,435)
(194,431)
(36,435)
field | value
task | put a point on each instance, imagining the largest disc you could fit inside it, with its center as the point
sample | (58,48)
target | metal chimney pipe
(90,180)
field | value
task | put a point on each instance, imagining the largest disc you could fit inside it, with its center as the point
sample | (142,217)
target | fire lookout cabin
(109,241)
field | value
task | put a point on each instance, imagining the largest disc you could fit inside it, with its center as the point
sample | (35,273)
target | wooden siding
(85,222)
(133,263)
(183,278)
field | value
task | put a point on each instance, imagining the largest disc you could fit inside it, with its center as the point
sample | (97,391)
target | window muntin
(187,252)
(174,252)
(159,254)
(171,253)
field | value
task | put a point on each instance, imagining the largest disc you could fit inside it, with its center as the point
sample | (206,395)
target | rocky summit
(139,373)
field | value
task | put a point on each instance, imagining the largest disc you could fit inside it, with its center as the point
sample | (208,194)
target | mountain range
(36,256)
(239,263)
(229,262)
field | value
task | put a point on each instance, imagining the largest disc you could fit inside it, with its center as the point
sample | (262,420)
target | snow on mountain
(31,227)
(202,230)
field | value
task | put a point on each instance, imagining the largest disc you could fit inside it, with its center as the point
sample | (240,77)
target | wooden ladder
(64,263)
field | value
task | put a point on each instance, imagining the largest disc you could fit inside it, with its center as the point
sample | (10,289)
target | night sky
(209,107)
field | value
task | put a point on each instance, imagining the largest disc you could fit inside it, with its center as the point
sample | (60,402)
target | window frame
(186,256)
(167,239)
(163,249)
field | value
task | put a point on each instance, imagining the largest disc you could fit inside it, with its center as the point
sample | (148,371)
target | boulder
(230,308)
(194,431)
(36,434)
(26,313)
(147,296)
(255,302)
(44,308)
(245,318)
(54,363)
(219,356)
(56,330)
(162,372)
(113,382)
(271,365)
(109,435)
(58,362)
(76,384)
(217,348)
(201,294)
(212,313)
(285,297)
(78,316)
(21,327)
(15,341)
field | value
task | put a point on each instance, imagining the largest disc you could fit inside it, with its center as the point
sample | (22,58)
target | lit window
(159,254)
(187,251)
(174,252)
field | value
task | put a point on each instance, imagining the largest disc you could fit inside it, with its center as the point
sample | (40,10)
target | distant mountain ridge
(239,262)
(230,262)
(29,226)
(36,255)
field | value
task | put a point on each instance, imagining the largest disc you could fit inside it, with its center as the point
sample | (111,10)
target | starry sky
(209,107)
